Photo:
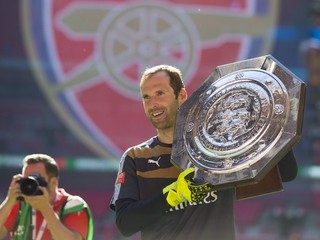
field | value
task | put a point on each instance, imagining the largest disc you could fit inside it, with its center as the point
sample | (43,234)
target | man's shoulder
(75,201)
(147,143)
(150,143)
(150,148)
(65,194)
(72,203)
(70,200)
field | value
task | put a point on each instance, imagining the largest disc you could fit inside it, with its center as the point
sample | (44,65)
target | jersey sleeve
(77,221)
(126,185)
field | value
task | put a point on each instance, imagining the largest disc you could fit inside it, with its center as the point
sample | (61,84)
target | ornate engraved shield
(240,122)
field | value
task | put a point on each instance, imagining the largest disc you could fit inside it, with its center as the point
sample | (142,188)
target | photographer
(35,208)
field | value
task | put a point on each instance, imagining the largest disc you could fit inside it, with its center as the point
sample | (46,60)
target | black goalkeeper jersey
(140,205)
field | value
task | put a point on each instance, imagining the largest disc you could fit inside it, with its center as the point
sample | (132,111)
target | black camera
(30,185)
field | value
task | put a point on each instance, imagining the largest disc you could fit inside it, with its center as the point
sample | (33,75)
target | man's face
(159,102)
(40,169)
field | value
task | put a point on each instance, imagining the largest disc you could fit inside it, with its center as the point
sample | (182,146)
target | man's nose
(154,103)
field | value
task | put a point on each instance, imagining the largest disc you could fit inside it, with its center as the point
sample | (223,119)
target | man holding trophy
(172,199)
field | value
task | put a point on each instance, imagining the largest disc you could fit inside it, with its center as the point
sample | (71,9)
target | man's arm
(132,213)
(7,205)
(132,216)
(57,229)
(5,209)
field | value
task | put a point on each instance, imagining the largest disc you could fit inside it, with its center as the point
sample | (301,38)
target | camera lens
(29,186)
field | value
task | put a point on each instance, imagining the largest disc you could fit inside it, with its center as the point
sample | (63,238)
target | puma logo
(154,161)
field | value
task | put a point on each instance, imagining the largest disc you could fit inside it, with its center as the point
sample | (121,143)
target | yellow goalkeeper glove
(185,188)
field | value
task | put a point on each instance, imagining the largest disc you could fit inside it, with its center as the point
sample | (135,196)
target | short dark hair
(50,164)
(174,74)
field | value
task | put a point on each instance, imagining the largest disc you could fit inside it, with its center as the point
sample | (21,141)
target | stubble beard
(168,122)
(165,124)
(161,125)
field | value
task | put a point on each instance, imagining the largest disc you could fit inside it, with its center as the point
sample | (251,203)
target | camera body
(30,185)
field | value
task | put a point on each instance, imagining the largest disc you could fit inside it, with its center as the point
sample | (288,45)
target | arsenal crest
(88,56)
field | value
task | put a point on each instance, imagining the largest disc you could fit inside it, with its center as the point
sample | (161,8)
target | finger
(16,178)
(188,173)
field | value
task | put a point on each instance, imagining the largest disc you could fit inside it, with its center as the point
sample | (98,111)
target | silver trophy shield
(240,122)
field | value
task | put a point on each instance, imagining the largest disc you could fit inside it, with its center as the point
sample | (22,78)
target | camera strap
(35,235)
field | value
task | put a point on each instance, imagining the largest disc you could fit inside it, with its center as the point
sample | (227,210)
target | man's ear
(183,95)
(54,182)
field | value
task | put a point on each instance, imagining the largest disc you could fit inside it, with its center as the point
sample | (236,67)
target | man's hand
(186,188)
(39,202)
(14,191)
